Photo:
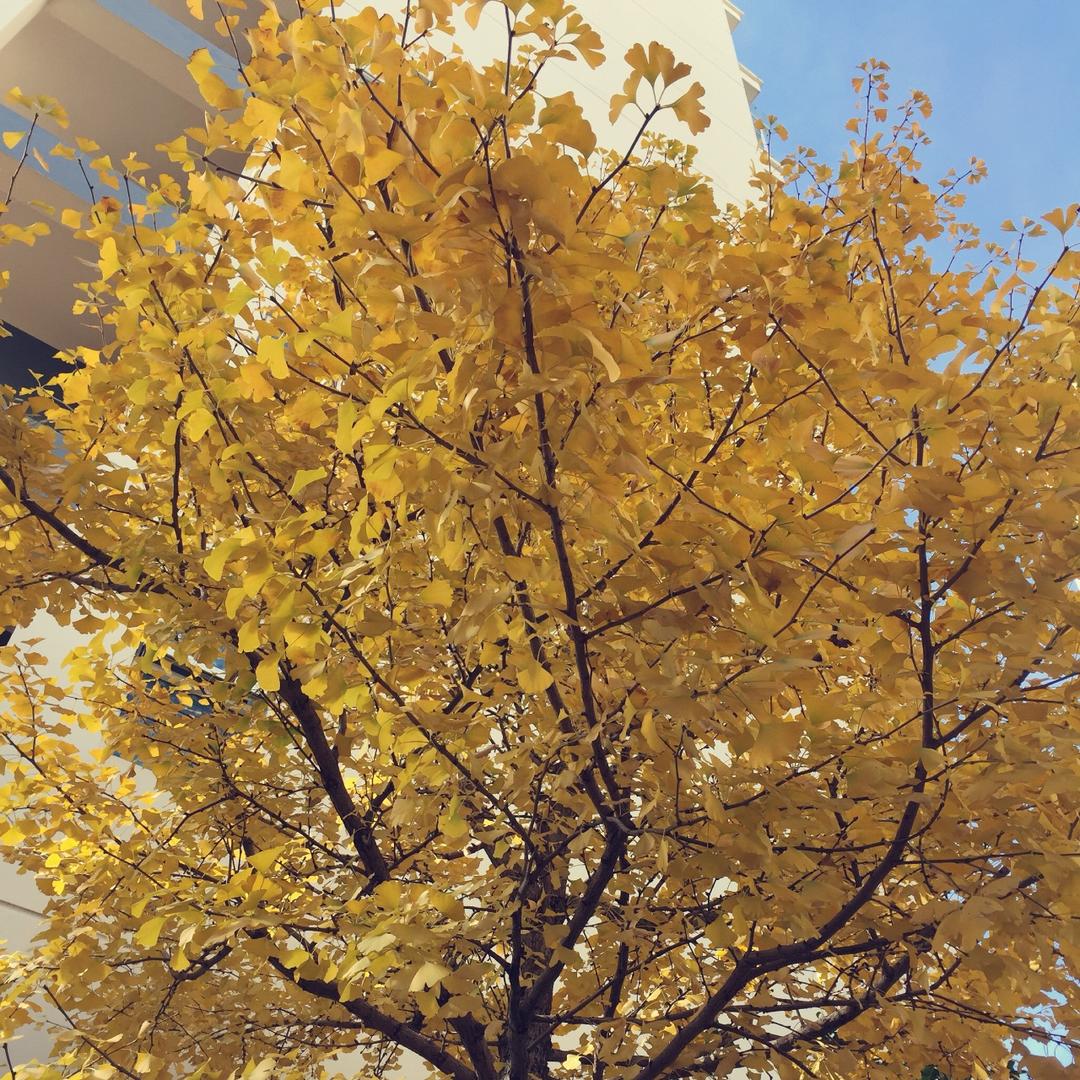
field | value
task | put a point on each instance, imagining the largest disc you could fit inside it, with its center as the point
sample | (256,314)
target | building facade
(119,68)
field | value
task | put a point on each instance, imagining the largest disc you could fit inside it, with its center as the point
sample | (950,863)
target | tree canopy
(539,623)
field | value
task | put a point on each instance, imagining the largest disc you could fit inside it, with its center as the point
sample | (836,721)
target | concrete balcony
(119,69)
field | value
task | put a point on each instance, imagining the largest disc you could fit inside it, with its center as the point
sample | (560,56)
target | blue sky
(1003,77)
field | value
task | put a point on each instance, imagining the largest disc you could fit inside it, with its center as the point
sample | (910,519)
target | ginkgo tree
(539,624)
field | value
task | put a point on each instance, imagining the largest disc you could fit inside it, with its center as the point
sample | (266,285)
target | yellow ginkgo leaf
(380,164)
(533,678)
(214,563)
(267,675)
(295,957)
(438,592)
(265,859)
(200,65)
(688,109)
(651,735)
(427,975)
(271,352)
(260,1070)
(109,258)
(148,934)
(601,352)
(304,477)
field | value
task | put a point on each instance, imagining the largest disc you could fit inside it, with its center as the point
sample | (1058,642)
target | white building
(119,68)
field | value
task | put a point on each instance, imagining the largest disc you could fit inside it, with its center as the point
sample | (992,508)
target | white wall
(697,32)
(20,897)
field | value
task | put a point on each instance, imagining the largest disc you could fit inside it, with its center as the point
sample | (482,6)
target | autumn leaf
(264,860)
(380,164)
(150,931)
(534,678)
(688,109)
(428,974)
(439,592)
(268,675)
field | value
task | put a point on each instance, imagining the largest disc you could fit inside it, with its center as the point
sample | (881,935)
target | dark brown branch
(398,1031)
(330,773)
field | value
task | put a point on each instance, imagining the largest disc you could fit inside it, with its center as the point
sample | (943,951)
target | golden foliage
(560,629)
